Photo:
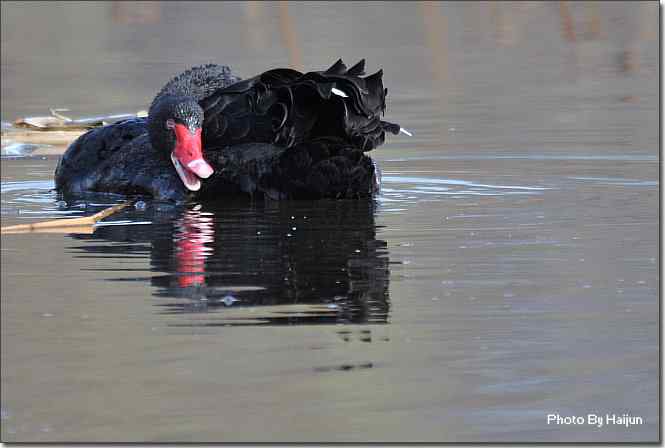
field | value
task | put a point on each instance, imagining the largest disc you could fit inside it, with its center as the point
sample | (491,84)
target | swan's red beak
(188,159)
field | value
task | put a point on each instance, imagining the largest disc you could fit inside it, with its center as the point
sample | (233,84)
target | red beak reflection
(193,238)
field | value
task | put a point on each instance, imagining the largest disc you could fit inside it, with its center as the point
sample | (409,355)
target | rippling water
(508,269)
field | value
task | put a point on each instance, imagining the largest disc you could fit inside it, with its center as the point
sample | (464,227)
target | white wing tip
(404,131)
(338,92)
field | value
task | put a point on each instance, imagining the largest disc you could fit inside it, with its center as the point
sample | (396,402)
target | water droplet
(258,233)
(289,235)
(293,228)
(229,300)
(140,205)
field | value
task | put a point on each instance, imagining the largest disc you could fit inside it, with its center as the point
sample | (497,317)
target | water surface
(508,269)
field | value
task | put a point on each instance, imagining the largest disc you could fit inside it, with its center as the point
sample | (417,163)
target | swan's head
(175,128)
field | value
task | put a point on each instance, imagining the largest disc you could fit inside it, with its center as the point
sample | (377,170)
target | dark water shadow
(286,263)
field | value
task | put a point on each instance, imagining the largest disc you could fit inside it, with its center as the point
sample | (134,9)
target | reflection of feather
(332,269)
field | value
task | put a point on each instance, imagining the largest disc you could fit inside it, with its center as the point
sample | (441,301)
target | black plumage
(320,168)
(282,134)
(118,158)
(285,107)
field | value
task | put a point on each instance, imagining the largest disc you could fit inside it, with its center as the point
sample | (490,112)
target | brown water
(507,271)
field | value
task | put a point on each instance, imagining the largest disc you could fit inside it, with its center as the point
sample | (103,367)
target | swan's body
(282,134)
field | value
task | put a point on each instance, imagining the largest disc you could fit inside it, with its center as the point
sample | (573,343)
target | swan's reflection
(275,264)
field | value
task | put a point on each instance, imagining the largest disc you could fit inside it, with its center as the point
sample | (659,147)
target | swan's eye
(170,124)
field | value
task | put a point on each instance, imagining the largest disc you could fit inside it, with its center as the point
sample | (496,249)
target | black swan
(282,134)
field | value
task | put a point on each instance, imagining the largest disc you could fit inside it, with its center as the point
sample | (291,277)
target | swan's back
(286,107)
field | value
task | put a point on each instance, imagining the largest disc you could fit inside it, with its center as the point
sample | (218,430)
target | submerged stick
(58,138)
(65,225)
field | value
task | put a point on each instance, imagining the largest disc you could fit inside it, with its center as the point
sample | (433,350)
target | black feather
(358,69)
(338,68)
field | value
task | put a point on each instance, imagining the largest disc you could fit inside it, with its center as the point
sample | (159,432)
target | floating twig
(57,129)
(69,225)
(59,122)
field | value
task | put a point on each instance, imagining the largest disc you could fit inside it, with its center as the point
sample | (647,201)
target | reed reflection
(274,264)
